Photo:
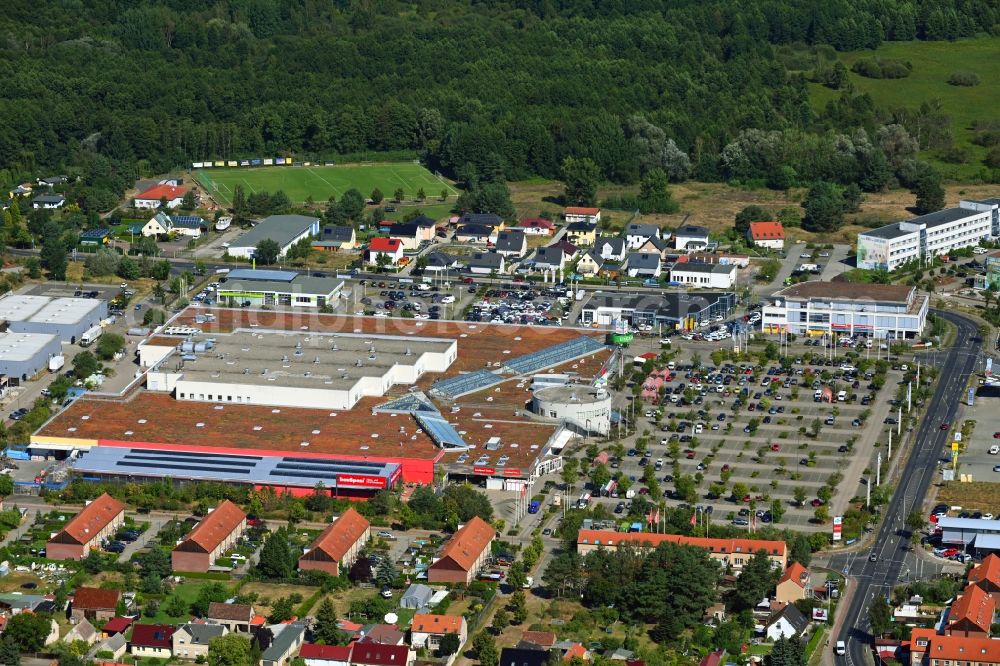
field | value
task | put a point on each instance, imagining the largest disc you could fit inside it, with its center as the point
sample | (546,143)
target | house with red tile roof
(464,554)
(390,247)
(99,520)
(217,532)
(94,603)
(927,648)
(986,574)
(767,234)
(793,584)
(536,226)
(376,654)
(427,630)
(339,545)
(727,552)
(713,658)
(582,214)
(116,625)
(154,196)
(972,614)
(151,640)
(576,650)
(325,655)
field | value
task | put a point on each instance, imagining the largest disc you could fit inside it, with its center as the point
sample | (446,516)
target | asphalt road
(893,563)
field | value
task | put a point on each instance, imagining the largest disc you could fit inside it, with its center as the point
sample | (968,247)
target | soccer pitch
(323,182)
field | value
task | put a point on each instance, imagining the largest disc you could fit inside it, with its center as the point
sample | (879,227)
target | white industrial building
(705,276)
(584,408)
(285,230)
(23,355)
(874,310)
(925,237)
(292,369)
(65,318)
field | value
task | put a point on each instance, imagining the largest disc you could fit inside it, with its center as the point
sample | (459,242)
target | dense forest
(120,88)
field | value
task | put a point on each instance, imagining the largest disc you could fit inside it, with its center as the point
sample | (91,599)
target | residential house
(339,237)
(486,263)
(116,625)
(151,640)
(20,603)
(326,655)
(438,262)
(928,648)
(476,233)
(613,249)
(591,263)
(367,653)
(549,259)
(511,243)
(659,245)
(770,235)
(383,634)
(581,233)
(52,181)
(573,650)
(237,618)
(786,623)
(793,584)
(582,214)
(392,248)
(536,226)
(485,219)
(636,234)
(94,603)
(426,631)
(191,640)
(158,225)
(691,237)
(339,545)
(156,195)
(95,237)
(733,553)
(96,522)
(416,596)
(464,554)
(644,265)
(986,574)
(162,224)
(523,657)
(115,645)
(48,201)
(288,638)
(713,658)
(82,631)
(217,532)
(285,230)
(704,276)
(972,614)
(570,249)
(414,232)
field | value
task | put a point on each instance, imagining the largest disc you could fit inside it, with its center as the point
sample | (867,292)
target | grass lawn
(322,182)
(270,592)
(432,208)
(187,591)
(933,63)
(973,496)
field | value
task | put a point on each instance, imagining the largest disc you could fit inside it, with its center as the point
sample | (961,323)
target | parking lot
(734,438)
(976,458)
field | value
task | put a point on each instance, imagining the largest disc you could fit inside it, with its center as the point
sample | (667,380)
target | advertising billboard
(484,470)
(838,528)
(360,481)
(873,253)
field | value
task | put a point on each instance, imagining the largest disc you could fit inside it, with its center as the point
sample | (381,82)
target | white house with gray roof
(643,264)
(285,230)
(637,234)
(612,249)
(511,243)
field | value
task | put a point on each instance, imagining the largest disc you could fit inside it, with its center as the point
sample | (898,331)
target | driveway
(130,549)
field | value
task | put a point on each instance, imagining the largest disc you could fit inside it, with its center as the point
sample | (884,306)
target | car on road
(945,425)
(620,507)
(996,468)
(996,435)
(994,450)
(873,557)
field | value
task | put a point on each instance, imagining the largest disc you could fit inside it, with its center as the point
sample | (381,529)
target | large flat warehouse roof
(43,309)
(23,346)
(306,360)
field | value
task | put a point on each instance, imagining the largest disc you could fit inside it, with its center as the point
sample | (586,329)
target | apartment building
(924,237)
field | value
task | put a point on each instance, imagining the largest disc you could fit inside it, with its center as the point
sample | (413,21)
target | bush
(961,78)
(882,68)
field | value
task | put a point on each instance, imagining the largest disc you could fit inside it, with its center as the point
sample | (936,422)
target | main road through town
(878,574)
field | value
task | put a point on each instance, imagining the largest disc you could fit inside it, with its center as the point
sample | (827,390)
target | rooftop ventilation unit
(358,363)
(316,360)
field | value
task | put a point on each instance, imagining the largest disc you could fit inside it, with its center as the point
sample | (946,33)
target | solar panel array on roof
(453,387)
(287,470)
(411,403)
(442,432)
(554,355)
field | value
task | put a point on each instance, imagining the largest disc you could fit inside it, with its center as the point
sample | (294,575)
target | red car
(996,435)
(817,502)
(643,491)
(951,552)
(690,455)
(776,447)
(945,425)
(726,468)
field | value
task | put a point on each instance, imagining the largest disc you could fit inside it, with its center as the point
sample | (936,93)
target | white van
(841,396)
(840,648)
